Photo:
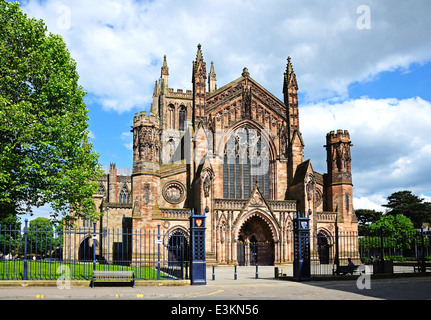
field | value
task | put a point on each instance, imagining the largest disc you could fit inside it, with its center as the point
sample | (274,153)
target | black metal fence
(45,254)
(407,252)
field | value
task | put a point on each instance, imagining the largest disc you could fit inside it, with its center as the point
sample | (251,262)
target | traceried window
(182,118)
(124,195)
(246,162)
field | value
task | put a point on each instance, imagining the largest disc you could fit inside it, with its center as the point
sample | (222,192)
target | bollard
(257,271)
(213,272)
(235,274)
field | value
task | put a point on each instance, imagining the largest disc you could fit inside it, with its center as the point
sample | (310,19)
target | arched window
(147,193)
(245,163)
(182,118)
(102,189)
(124,195)
(171,117)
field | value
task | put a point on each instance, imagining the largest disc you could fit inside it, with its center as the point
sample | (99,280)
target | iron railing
(43,254)
(405,253)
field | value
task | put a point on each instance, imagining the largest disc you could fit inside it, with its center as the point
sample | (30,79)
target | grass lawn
(52,270)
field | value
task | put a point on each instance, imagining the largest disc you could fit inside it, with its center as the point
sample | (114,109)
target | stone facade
(236,153)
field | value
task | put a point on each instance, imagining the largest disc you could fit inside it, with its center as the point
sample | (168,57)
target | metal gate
(253,253)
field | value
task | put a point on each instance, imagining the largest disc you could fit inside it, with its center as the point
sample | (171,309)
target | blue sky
(362,66)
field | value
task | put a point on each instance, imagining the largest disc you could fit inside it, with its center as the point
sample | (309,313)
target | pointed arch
(248,158)
(182,116)
(268,218)
(124,196)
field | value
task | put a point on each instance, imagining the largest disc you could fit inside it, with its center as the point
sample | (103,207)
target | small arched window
(124,195)
(147,193)
(171,117)
(182,118)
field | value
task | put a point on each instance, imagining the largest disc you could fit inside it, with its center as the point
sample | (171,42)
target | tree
(413,207)
(44,153)
(398,231)
(366,217)
(40,236)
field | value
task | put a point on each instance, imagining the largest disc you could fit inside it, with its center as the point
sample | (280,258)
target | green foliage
(413,207)
(397,231)
(365,218)
(41,236)
(49,270)
(44,154)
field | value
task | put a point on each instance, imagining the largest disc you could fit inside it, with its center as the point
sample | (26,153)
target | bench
(418,266)
(343,270)
(114,275)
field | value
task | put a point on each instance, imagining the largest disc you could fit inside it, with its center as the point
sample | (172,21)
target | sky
(362,66)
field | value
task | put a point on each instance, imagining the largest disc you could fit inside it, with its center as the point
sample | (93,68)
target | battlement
(143,119)
(179,93)
(339,136)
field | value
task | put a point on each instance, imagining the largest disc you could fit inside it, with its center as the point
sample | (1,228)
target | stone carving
(256,200)
(318,198)
(174,192)
(207,186)
(311,184)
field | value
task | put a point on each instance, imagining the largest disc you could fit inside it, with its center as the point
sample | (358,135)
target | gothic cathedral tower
(339,177)
(146,168)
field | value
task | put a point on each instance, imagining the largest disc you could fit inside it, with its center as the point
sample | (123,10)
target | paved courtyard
(245,287)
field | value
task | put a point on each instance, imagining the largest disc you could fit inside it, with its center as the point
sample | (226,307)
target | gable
(234,97)
(301,172)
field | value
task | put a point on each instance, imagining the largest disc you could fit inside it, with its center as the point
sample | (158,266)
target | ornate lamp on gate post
(301,261)
(197,241)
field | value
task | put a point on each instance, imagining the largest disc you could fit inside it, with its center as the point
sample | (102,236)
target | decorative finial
(165,69)
(245,73)
(199,54)
(289,67)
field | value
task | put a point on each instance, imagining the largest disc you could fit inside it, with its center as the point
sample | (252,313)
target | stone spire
(199,77)
(212,80)
(199,56)
(164,75)
(289,76)
(165,69)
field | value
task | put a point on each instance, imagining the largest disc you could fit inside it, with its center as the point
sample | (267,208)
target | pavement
(226,287)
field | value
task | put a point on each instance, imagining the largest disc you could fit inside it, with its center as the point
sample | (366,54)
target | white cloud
(119,45)
(373,202)
(391,149)
(127,137)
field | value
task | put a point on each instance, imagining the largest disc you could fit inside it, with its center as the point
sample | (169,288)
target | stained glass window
(246,161)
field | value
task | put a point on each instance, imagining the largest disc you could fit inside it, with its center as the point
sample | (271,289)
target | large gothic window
(246,162)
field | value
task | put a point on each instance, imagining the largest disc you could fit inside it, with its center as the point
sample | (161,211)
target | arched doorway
(178,248)
(86,250)
(255,243)
(323,248)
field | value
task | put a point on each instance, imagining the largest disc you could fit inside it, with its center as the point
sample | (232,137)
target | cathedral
(236,154)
